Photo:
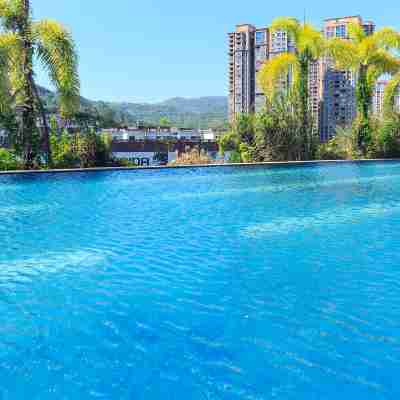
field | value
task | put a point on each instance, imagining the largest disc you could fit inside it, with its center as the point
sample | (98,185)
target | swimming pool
(214,283)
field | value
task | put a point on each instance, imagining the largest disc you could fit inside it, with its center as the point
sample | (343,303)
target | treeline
(285,129)
(77,150)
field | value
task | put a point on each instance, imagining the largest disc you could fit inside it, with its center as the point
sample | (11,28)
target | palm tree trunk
(304,102)
(46,130)
(28,121)
(364,93)
(364,102)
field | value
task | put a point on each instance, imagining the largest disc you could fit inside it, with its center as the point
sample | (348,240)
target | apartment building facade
(332,92)
(249,48)
(242,75)
(378,98)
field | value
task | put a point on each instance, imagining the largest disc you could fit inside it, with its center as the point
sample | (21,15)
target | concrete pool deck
(161,167)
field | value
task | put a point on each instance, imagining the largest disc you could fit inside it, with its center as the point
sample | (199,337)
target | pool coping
(213,165)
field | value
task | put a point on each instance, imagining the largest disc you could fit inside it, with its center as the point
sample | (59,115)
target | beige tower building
(241,70)
(249,48)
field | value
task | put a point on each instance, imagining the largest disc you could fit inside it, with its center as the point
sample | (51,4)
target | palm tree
(368,57)
(25,41)
(308,44)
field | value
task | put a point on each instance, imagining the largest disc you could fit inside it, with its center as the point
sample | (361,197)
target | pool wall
(266,164)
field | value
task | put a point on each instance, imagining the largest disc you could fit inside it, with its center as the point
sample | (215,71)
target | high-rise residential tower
(249,48)
(241,70)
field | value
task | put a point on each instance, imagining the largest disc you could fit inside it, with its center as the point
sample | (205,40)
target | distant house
(162,133)
(156,152)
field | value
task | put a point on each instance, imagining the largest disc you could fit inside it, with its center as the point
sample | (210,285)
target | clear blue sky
(150,50)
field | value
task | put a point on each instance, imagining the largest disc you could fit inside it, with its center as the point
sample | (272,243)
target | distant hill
(202,112)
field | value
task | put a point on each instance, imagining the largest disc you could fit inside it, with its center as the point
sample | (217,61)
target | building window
(260,38)
(330,33)
(341,31)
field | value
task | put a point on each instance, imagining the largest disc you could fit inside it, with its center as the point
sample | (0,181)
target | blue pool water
(220,283)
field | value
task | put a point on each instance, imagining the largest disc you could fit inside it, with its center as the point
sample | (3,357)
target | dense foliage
(275,134)
(8,160)
(80,150)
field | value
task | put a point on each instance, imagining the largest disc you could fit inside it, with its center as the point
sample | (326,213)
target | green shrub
(62,151)
(235,157)
(240,139)
(387,137)
(229,142)
(123,163)
(80,150)
(8,160)
(281,134)
(341,147)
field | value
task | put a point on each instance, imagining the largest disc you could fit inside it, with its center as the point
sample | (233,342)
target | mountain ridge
(202,112)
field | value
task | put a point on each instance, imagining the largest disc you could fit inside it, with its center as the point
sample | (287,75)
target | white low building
(137,134)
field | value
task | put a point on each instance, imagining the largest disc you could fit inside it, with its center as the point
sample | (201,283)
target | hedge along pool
(216,283)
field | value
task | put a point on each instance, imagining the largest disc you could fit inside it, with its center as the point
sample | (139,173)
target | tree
(23,42)
(309,44)
(240,138)
(368,57)
(274,134)
(280,132)
(165,122)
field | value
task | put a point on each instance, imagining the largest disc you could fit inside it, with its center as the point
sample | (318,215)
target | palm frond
(344,53)
(56,51)
(274,74)
(3,8)
(367,49)
(7,8)
(16,72)
(10,12)
(7,41)
(391,91)
(356,32)
(387,38)
(310,40)
(384,62)
(289,25)
(8,45)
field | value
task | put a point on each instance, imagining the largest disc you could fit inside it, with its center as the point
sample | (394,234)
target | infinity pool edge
(160,167)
